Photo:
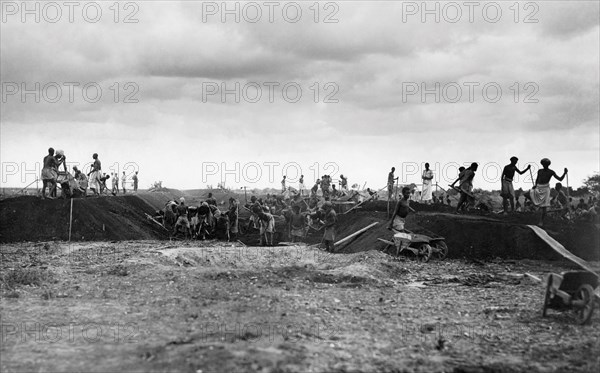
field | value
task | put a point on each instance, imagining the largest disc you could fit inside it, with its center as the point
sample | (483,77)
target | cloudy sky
(192,96)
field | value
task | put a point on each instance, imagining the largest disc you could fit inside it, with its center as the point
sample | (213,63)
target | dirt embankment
(475,236)
(29,218)
(481,236)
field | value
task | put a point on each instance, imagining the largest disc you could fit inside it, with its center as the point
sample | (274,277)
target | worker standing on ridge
(283,184)
(466,187)
(540,193)
(330,223)
(301,186)
(427,177)
(507,190)
(123,181)
(135,181)
(562,200)
(95,174)
(61,159)
(401,212)
(343,183)
(325,182)
(49,174)
(115,183)
(390,183)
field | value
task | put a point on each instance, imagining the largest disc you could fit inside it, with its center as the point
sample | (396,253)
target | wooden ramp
(556,246)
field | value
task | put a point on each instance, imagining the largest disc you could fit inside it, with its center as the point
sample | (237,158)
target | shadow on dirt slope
(29,218)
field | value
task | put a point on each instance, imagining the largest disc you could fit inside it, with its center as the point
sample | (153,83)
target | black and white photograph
(300,186)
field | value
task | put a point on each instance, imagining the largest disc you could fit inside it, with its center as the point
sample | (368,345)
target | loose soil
(150,306)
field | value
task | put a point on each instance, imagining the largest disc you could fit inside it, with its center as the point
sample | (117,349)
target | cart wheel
(441,250)
(586,294)
(424,253)
(548,296)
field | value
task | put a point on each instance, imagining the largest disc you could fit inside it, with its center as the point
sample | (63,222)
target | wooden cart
(572,290)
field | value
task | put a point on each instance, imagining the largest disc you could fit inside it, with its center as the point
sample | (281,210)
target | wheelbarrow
(572,290)
(419,245)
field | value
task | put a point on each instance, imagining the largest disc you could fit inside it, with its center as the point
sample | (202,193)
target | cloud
(364,61)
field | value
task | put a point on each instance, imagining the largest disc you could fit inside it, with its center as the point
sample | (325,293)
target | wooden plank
(556,246)
(355,234)
(386,241)
(533,277)
(155,221)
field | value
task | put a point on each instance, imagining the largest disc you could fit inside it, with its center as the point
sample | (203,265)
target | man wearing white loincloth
(95,174)
(426,195)
(301,186)
(540,193)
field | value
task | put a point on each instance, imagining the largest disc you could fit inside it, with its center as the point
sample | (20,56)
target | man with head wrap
(540,193)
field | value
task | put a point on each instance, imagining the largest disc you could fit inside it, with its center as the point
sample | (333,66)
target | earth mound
(474,236)
(29,218)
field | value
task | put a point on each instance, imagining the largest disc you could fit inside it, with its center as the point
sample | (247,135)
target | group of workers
(208,221)
(78,183)
(318,213)
(301,213)
(539,196)
(201,221)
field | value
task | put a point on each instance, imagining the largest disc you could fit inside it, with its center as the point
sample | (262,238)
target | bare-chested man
(297,224)
(508,191)
(540,193)
(390,183)
(465,187)
(49,174)
(401,212)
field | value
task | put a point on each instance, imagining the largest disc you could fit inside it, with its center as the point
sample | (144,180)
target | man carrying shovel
(540,193)
(465,187)
(508,191)
(401,212)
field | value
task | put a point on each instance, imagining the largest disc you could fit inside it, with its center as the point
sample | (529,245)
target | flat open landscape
(210,306)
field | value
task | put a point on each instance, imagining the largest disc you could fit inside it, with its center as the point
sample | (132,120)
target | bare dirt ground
(208,306)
